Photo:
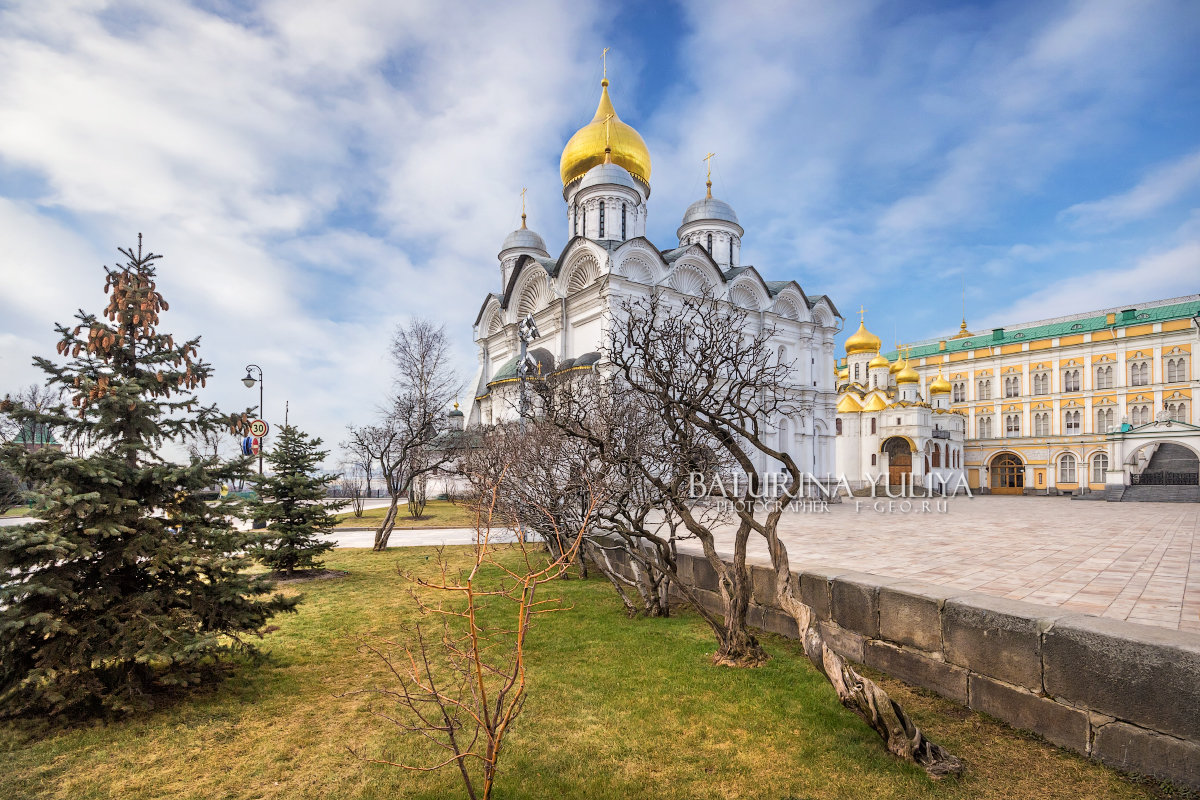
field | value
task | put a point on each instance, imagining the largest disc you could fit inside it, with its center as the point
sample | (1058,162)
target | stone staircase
(1160,494)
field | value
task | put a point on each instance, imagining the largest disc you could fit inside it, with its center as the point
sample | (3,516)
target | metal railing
(1165,479)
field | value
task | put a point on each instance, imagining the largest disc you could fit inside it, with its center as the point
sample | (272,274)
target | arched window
(1104,420)
(731,251)
(782,355)
(584,224)
(1071,420)
(785,442)
(1099,467)
(1012,425)
(837,426)
(710,244)
(601,219)
(856,372)
(574,219)
(937,455)
(1104,378)
(623,237)
(1066,469)
(1071,380)
(872,425)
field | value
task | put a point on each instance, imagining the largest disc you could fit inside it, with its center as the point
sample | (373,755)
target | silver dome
(710,208)
(526,239)
(607,175)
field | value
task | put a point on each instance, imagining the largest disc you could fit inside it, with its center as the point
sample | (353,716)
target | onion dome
(907,374)
(586,148)
(939,385)
(879,361)
(455,412)
(525,239)
(608,174)
(897,365)
(862,341)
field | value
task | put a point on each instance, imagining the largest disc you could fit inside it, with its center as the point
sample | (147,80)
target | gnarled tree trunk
(856,692)
(389,522)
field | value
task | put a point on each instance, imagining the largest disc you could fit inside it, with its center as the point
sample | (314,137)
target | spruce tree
(130,583)
(290,501)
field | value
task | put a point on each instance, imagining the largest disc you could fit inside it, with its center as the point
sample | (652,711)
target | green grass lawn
(617,708)
(16,511)
(438,514)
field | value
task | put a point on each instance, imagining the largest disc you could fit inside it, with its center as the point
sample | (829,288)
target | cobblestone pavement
(1138,562)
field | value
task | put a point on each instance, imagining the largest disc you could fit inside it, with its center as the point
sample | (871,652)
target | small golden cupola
(939,385)
(605,134)
(907,374)
(862,341)
(879,361)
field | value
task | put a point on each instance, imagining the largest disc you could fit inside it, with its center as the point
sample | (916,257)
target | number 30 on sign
(259,428)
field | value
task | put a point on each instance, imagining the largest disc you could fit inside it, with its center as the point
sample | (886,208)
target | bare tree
(412,439)
(350,485)
(358,461)
(35,397)
(463,688)
(710,375)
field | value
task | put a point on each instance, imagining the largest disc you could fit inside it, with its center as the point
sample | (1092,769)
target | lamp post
(249,381)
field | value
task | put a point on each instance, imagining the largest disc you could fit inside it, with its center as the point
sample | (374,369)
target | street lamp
(249,382)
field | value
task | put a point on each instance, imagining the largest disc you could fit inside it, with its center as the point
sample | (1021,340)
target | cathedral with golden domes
(605,170)
(890,431)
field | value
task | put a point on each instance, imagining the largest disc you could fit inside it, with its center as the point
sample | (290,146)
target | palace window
(1012,386)
(1071,380)
(1041,383)
(1139,415)
(1104,420)
(1104,377)
(1012,425)
(1177,412)
(985,389)
(601,219)
(623,222)
(710,244)
(1099,467)
(959,392)
(1139,373)
(983,427)
(1071,422)
(1041,424)
(1066,469)
(1176,370)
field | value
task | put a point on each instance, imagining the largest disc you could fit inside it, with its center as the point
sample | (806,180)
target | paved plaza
(1138,562)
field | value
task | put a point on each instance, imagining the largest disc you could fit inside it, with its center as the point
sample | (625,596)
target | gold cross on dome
(708,160)
(604,62)
(862,313)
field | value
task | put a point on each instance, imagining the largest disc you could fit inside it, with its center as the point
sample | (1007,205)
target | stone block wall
(1125,694)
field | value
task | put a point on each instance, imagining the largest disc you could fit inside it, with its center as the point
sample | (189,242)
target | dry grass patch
(438,514)
(617,709)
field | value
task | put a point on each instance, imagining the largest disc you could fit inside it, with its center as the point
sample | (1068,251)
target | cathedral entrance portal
(899,455)
(1008,474)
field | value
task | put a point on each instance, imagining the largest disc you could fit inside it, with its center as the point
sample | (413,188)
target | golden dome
(586,148)
(897,365)
(849,405)
(862,341)
(876,403)
(939,385)
(907,374)
(879,361)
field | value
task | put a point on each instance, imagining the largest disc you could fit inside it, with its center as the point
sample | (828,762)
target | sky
(316,173)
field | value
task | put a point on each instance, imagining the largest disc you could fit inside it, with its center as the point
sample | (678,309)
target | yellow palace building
(1099,402)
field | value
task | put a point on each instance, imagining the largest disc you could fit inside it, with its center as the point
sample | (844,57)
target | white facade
(607,259)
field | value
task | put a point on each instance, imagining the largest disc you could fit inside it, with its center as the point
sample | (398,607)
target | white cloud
(1155,276)
(1157,190)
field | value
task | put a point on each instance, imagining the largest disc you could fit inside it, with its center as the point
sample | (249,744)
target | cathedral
(605,171)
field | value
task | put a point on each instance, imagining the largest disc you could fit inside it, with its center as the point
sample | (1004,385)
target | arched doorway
(899,454)
(1168,464)
(1008,474)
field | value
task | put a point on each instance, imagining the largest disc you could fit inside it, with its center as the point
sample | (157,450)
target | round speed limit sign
(259,428)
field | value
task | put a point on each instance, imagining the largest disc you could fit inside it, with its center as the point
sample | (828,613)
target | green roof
(1066,327)
(35,434)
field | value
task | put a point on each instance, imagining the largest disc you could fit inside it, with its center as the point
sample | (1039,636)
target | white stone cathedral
(605,170)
